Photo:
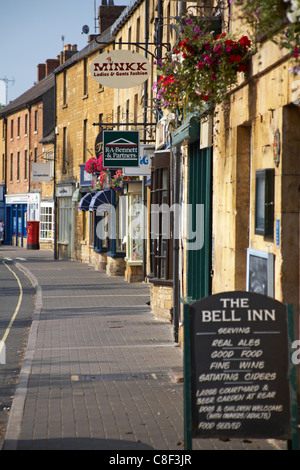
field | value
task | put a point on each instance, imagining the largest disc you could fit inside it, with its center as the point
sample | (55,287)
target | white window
(65,215)
(47,221)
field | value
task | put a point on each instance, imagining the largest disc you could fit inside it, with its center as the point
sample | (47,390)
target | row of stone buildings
(242,169)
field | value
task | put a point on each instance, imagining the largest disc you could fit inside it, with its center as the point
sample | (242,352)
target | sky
(31,32)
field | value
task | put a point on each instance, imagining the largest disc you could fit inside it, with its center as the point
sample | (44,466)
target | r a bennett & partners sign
(120,69)
(120,149)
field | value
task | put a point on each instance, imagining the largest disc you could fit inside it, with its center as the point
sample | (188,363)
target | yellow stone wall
(79,106)
(2,150)
(243,143)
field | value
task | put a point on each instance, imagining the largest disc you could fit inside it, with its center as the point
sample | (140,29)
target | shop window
(264,202)
(47,222)
(91,229)
(101,232)
(160,219)
(65,218)
(134,246)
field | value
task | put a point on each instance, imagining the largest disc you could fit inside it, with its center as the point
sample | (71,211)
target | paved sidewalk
(97,371)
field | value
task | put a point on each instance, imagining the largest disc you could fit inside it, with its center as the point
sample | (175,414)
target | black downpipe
(176,290)
(54,177)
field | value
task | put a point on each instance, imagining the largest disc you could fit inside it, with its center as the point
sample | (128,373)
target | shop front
(65,229)
(19,209)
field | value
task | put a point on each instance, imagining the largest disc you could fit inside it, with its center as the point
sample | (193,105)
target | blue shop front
(19,208)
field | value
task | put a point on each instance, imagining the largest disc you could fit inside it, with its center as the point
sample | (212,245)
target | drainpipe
(159,28)
(29,145)
(144,188)
(54,179)
(176,184)
(5,153)
(176,280)
(5,172)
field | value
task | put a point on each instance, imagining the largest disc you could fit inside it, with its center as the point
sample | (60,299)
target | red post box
(33,235)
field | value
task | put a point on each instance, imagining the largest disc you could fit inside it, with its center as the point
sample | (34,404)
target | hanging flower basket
(94,165)
(116,182)
(200,71)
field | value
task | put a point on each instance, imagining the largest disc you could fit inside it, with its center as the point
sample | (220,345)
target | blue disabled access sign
(121,149)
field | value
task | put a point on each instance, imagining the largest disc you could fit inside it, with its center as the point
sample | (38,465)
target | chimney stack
(51,64)
(67,52)
(44,69)
(41,72)
(108,14)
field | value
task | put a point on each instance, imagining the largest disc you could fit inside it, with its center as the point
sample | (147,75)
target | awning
(102,197)
(76,195)
(85,202)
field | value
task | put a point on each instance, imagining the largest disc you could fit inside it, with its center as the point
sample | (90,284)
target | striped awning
(102,197)
(85,201)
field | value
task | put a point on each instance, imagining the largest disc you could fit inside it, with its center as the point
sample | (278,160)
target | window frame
(264,202)
(47,223)
(161,194)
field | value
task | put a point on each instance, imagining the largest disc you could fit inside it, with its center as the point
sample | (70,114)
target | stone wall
(161,300)
(115,266)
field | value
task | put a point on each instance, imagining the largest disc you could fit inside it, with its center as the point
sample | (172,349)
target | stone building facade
(25,122)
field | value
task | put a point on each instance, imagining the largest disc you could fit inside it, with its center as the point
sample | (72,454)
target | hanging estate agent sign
(40,172)
(120,69)
(239,367)
(121,149)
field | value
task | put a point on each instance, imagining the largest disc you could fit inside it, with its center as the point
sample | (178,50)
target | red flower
(229,42)
(234,58)
(231,59)
(218,36)
(242,68)
(204,97)
(245,41)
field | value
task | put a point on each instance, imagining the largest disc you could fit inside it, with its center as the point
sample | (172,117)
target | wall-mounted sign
(120,69)
(64,191)
(121,149)
(99,144)
(85,177)
(40,172)
(160,134)
(144,168)
(16,198)
(260,272)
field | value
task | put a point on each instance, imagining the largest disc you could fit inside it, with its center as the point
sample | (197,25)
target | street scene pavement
(100,372)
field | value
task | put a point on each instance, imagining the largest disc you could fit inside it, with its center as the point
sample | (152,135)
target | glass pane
(163,251)
(260,203)
(164,178)
(164,197)
(163,265)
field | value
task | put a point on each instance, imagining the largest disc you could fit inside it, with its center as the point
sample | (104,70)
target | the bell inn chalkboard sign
(239,367)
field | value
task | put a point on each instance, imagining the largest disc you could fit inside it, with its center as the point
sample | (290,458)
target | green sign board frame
(200,329)
(121,149)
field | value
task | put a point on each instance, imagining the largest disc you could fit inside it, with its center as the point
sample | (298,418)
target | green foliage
(277,20)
